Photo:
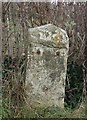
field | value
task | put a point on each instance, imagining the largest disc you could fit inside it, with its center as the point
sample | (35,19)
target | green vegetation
(74,85)
(49,112)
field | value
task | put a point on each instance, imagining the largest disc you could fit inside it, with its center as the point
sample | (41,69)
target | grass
(49,112)
(55,112)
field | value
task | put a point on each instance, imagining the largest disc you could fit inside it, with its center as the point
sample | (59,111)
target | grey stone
(47,66)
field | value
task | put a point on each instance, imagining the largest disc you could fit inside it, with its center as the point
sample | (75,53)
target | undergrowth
(54,112)
(47,112)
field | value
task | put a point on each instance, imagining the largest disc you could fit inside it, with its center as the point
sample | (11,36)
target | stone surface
(47,66)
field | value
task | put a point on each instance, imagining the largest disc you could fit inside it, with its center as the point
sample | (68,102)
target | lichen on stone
(47,65)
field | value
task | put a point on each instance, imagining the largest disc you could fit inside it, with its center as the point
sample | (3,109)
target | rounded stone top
(50,34)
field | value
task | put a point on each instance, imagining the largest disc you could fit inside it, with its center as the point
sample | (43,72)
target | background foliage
(17,18)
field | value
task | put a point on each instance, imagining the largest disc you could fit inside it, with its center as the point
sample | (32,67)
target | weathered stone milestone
(47,66)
